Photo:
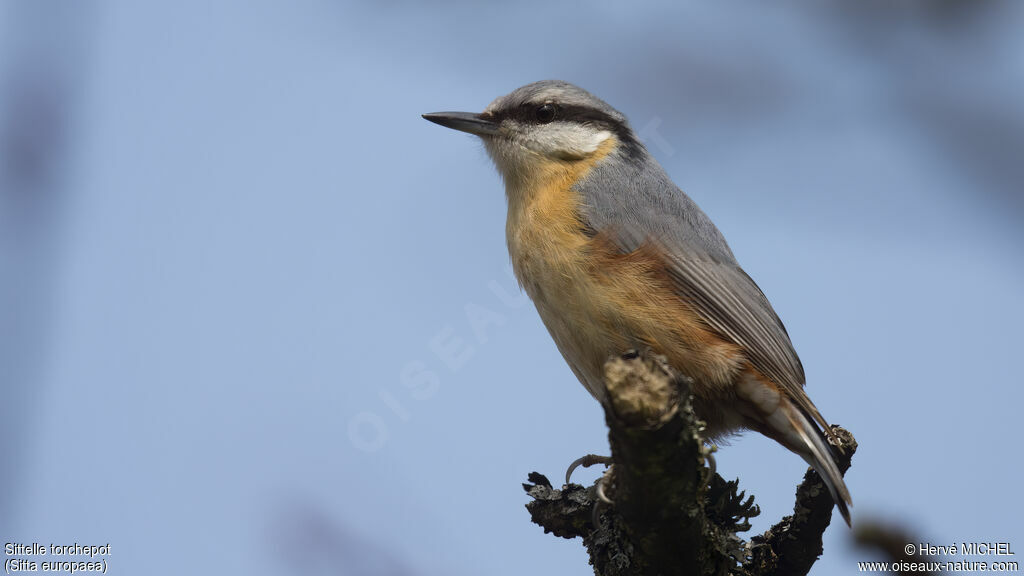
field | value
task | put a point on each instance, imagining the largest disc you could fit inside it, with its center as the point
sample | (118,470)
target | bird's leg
(586,461)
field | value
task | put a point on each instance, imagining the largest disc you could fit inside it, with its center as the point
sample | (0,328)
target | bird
(616,257)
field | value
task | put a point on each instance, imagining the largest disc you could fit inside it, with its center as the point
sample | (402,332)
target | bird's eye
(545,113)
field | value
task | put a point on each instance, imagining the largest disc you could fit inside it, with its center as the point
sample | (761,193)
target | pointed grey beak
(464,121)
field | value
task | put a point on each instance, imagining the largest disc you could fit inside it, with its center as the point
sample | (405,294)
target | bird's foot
(586,461)
(602,498)
(712,465)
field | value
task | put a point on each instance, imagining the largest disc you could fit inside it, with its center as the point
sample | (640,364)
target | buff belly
(597,301)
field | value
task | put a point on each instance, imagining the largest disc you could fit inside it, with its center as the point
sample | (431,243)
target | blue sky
(260,253)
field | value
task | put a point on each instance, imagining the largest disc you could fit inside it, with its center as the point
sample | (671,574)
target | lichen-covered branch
(793,544)
(671,514)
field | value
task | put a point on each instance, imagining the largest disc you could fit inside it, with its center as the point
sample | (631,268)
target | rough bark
(671,513)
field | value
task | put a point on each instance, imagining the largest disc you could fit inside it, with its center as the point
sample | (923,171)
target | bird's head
(545,125)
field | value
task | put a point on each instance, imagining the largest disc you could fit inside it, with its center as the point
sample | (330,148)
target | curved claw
(602,499)
(600,490)
(586,461)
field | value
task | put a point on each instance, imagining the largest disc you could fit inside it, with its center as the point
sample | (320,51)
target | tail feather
(814,450)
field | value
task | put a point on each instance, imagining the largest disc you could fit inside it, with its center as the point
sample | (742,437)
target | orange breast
(597,301)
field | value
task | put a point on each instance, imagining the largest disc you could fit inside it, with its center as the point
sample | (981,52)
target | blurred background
(256,315)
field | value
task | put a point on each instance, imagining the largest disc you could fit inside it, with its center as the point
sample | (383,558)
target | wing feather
(700,263)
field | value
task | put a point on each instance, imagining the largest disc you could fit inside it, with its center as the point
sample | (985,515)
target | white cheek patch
(565,140)
(515,152)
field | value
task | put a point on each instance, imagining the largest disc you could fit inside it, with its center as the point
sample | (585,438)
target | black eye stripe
(527,114)
(585,114)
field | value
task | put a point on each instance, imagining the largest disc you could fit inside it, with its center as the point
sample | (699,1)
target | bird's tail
(809,443)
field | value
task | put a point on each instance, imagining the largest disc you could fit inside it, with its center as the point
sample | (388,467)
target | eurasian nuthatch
(616,257)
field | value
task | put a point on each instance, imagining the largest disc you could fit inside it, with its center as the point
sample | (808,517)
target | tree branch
(794,543)
(671,514)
